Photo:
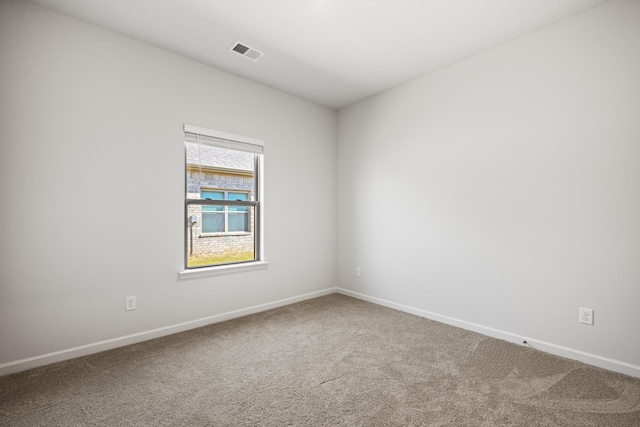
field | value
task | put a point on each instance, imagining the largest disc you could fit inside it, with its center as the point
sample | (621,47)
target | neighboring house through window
(222,202)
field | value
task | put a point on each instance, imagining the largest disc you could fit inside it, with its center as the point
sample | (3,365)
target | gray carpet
(331,361)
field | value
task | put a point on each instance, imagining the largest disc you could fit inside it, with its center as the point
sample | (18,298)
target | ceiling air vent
(246,51)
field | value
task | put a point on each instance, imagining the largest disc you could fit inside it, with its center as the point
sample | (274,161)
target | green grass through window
(226,258)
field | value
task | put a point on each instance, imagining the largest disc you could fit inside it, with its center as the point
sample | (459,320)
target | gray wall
(503,193)
(92,186)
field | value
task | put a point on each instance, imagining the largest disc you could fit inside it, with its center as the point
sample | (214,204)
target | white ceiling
(332,52)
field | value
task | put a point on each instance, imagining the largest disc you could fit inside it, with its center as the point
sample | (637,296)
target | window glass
(238,196)
(221,204)
(238,221)
(213,195)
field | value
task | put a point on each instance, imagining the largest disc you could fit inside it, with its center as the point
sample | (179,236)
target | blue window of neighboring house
(238,216)
(225,219)
(213,216)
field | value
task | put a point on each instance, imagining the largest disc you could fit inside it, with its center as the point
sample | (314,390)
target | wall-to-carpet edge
(558,350)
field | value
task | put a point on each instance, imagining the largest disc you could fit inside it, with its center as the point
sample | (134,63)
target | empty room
(320,213)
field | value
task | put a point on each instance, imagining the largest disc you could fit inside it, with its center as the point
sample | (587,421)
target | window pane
(238,196)
(213,195)
(239,221)
(216,249)
(212,209)
(210,167)
(212,222)
(237,208)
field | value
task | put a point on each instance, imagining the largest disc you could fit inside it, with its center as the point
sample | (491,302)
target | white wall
(503,193)
(92,187)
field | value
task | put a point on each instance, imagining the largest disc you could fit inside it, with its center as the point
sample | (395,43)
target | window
(225,219)
(222,198)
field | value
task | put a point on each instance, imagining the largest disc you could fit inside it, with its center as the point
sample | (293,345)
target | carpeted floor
(331,361)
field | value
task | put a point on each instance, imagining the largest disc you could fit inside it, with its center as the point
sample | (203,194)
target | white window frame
(242,143)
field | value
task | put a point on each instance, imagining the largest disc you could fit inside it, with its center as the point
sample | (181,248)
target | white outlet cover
(586,316)
(130,303)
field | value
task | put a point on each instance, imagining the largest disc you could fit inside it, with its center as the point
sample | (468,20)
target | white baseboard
(84,350)
(58,356)
(591,359)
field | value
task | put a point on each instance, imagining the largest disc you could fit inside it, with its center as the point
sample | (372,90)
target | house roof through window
(221,158)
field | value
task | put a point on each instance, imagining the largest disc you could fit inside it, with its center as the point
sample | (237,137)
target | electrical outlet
(586,316)
(358,271)
(130,303)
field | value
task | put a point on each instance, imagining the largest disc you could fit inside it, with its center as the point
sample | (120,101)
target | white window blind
(200,135)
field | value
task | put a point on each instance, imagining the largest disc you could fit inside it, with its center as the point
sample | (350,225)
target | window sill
(222,269)
(232,233)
